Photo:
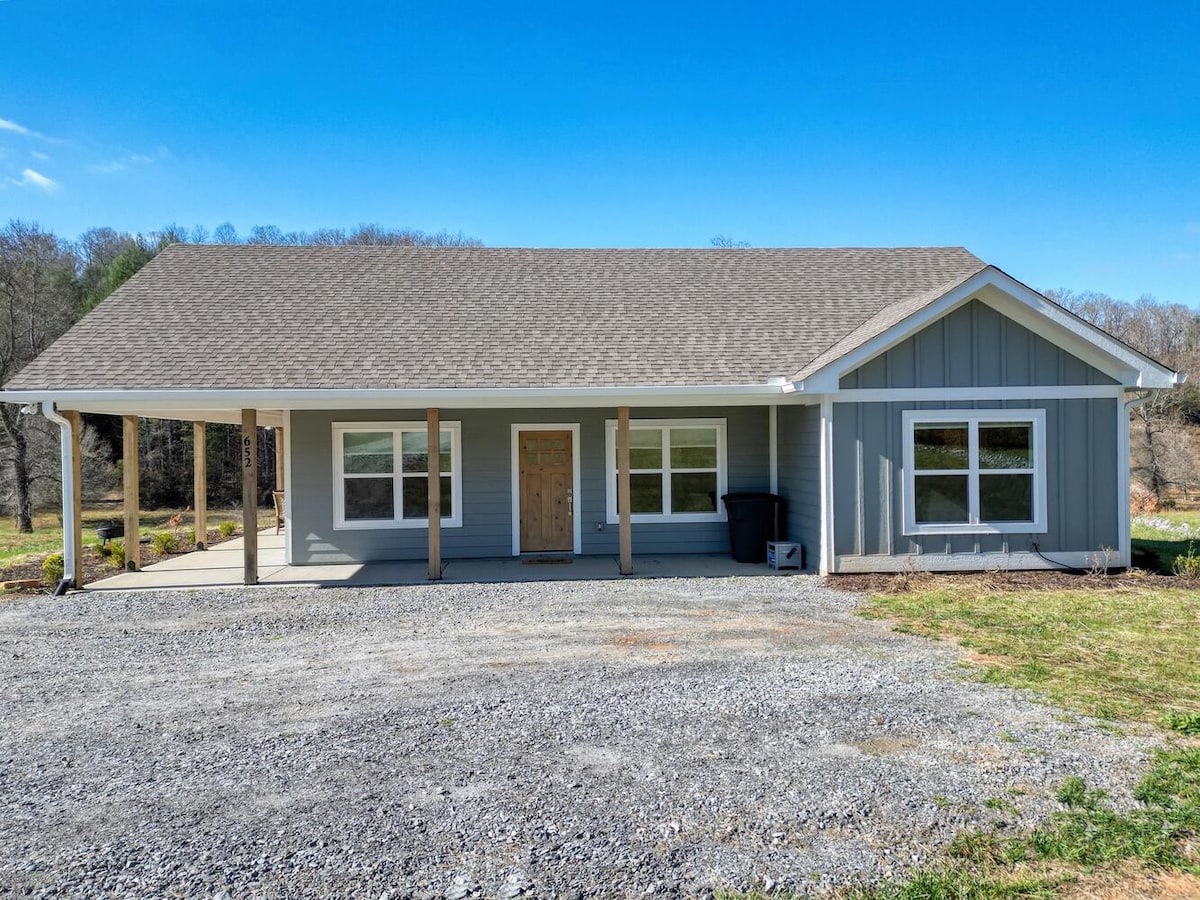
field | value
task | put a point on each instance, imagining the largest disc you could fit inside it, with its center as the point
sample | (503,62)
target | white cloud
(17,128)
(117,165)
(38,155)
(30,178)
(125,162)
(6,125)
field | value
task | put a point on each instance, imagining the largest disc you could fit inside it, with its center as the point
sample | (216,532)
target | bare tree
(225,233)
(725,242)
(39,300)
(1163,455)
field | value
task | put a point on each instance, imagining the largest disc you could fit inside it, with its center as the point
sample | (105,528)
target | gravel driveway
(555,739)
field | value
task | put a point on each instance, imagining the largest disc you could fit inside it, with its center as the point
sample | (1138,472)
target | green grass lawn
(16,548)
(1119,653)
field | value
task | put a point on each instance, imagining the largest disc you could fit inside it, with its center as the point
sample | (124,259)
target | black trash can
(753,520)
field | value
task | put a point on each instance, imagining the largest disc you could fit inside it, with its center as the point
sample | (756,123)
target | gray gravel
(555,739)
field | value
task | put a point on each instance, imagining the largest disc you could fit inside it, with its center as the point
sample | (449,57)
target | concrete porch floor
(221,566)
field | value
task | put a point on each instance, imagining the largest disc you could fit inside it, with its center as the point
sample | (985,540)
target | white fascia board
(1078,337)
(149,401)
(1023,305)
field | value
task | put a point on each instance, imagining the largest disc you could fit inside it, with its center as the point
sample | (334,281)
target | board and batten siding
(486,484)
(800,476)
(975,346)
(1081,481)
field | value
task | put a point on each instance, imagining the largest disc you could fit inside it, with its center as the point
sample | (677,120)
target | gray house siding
(976,346)
(799,432)
(1081,481)
(973,346)
(486,484)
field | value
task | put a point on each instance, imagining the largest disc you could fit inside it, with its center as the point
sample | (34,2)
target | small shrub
(116,554)
(52,568)
(227,529)
(1187,565)
(164,542)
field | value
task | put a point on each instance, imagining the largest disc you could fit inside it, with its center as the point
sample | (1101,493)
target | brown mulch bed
(95,565)
(903,583)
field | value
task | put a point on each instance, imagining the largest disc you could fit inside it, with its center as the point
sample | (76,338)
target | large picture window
(381,475)
(974,471)
(676,470)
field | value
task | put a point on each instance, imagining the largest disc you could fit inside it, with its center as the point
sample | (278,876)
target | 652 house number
(247,453)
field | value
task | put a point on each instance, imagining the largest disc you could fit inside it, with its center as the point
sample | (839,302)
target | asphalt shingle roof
(255,317)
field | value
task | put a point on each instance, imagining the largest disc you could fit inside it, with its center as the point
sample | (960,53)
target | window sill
(1003,528)
(384,525)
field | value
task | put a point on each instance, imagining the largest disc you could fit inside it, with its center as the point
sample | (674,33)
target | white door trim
(576,478)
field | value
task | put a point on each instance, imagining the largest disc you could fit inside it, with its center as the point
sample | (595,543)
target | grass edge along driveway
(1130,655)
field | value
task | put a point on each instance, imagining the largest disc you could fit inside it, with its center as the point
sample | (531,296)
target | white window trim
(973,417)
(340,522)
(610,471)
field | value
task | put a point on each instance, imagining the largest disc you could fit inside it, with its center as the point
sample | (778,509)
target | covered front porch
(463,534)
(223,566)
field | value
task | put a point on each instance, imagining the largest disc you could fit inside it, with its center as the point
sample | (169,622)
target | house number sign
(247,452)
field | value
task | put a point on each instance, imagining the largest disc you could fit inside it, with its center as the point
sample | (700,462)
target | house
(914,407)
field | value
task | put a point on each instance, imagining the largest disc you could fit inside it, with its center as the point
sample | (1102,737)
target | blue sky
(1060,141)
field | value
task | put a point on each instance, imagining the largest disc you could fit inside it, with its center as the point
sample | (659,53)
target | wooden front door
(547,501)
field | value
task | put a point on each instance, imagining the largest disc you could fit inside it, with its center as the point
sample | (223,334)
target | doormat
(547,561)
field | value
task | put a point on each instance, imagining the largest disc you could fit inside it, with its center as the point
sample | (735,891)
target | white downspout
(68,491)
(773,447)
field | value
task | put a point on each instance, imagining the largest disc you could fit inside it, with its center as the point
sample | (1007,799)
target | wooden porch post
(434,455)
(250,494)
(625,528)
(76,498)
(279,459)
(130,492)
(200,482)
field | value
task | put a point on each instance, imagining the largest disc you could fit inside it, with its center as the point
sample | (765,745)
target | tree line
(1165,435)
(47,283)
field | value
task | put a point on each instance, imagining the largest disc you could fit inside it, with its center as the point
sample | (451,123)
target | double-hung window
(974,471)
(677,470)
(381,475)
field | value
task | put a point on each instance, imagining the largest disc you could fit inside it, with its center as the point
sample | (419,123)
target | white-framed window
(677,470)
(974,471)
(381,474)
